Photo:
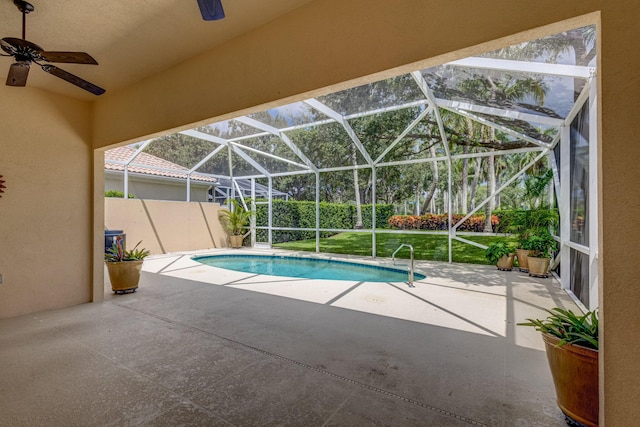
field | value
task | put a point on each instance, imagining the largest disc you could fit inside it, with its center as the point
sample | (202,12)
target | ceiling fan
(26,52)
(211,10)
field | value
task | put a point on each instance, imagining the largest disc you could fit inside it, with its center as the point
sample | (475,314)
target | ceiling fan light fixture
(18,73)
(211,10)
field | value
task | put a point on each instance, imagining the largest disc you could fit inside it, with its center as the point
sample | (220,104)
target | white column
(373,213)
(593,197)
(564,205)
(270,211)
(317,211)
(253,212)
(188,187)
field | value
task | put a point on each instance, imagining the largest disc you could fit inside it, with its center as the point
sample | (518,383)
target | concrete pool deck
(197,345)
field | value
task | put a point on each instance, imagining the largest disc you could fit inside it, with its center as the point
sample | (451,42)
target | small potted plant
(540,244)
(124,266)
(234,222)
(571,343)
(500,253)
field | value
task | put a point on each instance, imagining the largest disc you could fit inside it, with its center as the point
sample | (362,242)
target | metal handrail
(393,256)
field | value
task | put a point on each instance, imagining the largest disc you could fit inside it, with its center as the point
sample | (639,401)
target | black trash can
(110,237)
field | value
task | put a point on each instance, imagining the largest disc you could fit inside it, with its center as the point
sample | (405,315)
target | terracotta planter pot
(539,267)
(505,263)
(124,276)
(235,241)
(523,255)
(575,376)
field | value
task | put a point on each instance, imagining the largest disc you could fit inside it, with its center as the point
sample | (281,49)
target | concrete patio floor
(196,345)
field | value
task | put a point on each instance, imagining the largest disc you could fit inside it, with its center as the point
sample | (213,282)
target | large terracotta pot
(235,241)
(575,375)
(505,263)
(523,255)
(538,267)
(124,276)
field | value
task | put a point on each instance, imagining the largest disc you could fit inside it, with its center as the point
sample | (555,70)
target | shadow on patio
(221,353)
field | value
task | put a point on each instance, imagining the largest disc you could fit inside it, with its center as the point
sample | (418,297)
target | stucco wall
(145,188)
(45,213)
(166,226)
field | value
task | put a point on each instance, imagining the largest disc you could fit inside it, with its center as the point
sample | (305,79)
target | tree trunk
(356,187)
(491,188)
(474,183)
(434,183)
(465,183)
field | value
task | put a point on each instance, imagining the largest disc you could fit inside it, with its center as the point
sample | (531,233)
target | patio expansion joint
(318,370)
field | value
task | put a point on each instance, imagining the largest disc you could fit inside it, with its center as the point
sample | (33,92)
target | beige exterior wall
(166,226)
(156,189)
(45,212)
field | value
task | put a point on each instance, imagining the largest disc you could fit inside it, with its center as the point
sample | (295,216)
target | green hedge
(302,214)
(117,194)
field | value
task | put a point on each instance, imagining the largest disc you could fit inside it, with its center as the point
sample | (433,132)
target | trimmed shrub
(302,214)
(117,194)
(439,222)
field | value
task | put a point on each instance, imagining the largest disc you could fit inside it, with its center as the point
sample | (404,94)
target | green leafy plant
(117,194)
(117,253)
(569,327)
(497,250)
(541,244)
(235,219)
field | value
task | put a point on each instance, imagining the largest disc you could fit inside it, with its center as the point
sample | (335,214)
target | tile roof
(122,154)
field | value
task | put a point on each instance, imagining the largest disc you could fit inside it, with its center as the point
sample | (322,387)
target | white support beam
(502,187)
(500,112)
(470,242)
(271,156)
(499,127)
(201,135)
(206,159)
(276,132)
(314,103)
(317,211)
(249,160)
(139,150)
(422,84)
(253,213)
(460,156)
(524,67)
(125,178)
(404,133)
(577,106)
(564,206)
(594,219)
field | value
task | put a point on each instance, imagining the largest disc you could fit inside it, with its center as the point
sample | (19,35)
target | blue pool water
(309,268)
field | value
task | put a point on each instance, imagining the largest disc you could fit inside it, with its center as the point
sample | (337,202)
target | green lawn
(426,247)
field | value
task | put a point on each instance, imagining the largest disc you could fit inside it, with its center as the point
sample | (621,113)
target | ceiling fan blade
(68,57)
(18,73)
(211,10)
(81,83)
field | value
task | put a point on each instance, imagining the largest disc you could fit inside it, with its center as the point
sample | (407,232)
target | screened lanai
(457,139)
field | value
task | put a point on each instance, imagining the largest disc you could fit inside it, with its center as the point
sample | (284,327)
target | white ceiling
(130,39)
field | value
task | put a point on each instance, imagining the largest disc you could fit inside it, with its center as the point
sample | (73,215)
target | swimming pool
(308,268)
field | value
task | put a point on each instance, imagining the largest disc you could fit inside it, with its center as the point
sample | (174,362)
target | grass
(426,247)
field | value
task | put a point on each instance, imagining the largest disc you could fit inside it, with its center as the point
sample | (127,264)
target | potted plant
(234,221)
(571,343)
(540,245)
(124,266)
(500,254)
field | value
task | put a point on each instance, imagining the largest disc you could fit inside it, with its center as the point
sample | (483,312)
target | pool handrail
(393,257)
